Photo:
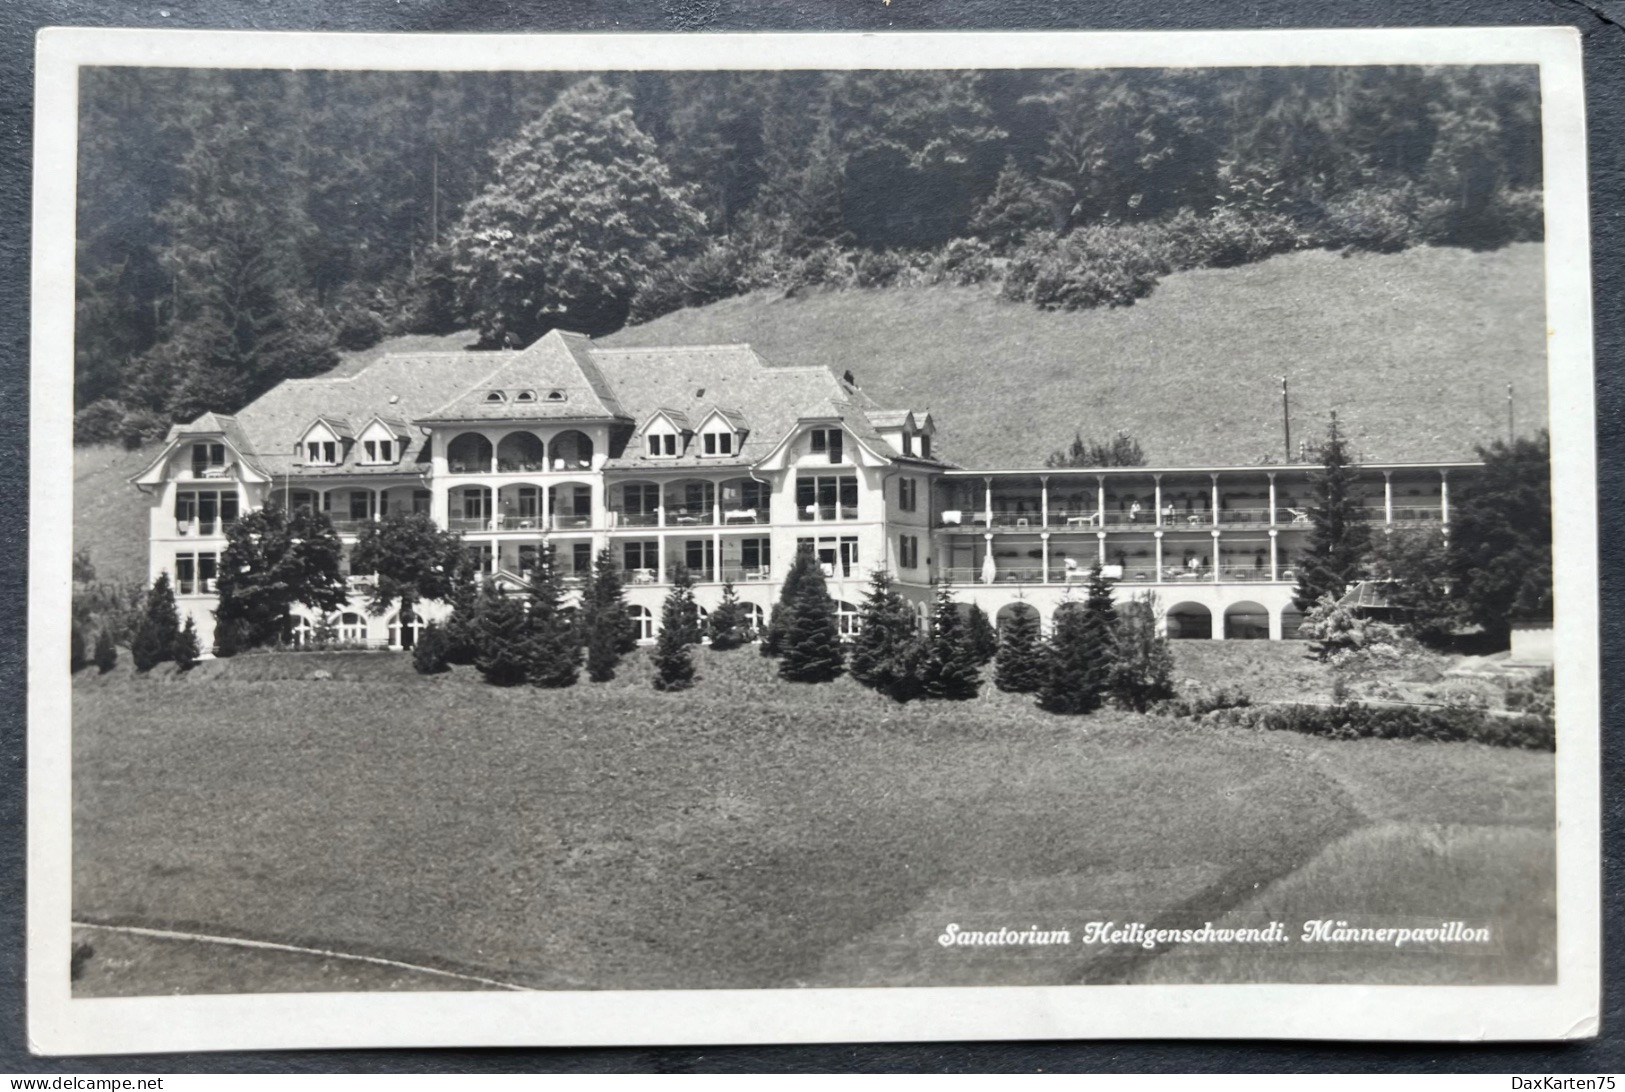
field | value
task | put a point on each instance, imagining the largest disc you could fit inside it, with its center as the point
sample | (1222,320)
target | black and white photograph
(766,538)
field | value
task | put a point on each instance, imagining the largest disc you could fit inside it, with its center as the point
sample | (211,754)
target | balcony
(747,515)
(620,517)
(823,513)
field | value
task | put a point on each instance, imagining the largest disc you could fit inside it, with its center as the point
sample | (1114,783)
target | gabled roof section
(558,367)
(338,426)
(692,379)
(734,419)
(394,424)
(397,386)
(891,418)
(207,426)
(676,418)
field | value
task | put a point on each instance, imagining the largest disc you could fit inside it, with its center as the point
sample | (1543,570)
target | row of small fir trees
(1093,654)
(158,637)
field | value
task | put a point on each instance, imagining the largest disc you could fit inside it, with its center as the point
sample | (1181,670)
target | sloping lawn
(1413,351)
(747,833)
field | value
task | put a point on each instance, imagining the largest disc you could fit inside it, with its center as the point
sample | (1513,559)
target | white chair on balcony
(953,516)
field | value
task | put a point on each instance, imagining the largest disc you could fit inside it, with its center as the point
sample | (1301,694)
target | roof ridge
(670,348)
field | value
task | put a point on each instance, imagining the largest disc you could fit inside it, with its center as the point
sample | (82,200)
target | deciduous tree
(273,560)
(412,558)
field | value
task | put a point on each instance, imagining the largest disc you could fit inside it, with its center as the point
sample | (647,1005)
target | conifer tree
(555,645)
(606,624)
(674,663)
(106,652)
(429,654)
(1338,539)
(950,668)
(186,646)
(984,640)
(1142,671)
(811,642)
(887,652)
(504,649)
(729,624)
(465,599)
(1079,664)
(804,567)
(1020,666)
(160,624)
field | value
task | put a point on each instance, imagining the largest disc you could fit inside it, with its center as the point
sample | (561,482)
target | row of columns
(1100,499)
(1100,537)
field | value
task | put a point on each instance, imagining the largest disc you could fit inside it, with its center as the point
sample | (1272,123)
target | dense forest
(236,228)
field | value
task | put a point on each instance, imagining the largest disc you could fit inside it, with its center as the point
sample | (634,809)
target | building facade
(708,457)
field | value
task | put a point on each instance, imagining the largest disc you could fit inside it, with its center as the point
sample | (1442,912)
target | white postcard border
(61,1024)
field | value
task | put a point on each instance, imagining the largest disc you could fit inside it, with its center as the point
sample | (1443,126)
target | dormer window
(828,441)
(555,396)
(662,445)
(717,443)
(495,396)
(206,457)
(379,451)
(525,396)
(321,453)
(925,445)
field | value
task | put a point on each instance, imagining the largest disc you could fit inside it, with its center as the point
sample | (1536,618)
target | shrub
(1374,219)
(1230,237)
(715,273)
(106,652)
(1536,695)
(231,636)
(962,262)
(429,654)
(877,269)
(1451,724)
(1332,629)
(1202,702)
(100,422)
(76,648)
(1092,267)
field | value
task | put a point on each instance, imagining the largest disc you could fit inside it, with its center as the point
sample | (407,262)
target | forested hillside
(238,228)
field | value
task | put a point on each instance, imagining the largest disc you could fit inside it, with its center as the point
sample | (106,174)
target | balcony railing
(620,517)
(746,515)
(202,528)
(690,517)
(817,513)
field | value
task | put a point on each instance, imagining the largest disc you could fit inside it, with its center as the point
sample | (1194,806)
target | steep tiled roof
(891,418)
(403,387)
(558,369)
(690,379)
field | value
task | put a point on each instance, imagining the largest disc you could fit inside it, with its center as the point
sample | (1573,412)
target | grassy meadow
(753,833)
(1413,350)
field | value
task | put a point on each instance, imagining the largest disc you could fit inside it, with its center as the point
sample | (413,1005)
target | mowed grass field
(1414,351)
(751,833)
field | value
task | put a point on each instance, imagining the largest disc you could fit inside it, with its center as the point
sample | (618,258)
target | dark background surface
(1602,25)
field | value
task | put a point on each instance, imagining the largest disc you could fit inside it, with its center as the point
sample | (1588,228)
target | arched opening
(1291,619)
(1010,612)
(643,618)
(636,504)
(690,503)
(520,453)
(746,500)
(846,619)
(1246,622)
(572,450)
(758,618)
(1189,621)
(468,453)
(405,636)
(352,627)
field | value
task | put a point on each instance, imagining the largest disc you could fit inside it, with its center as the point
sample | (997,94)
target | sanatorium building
(709,457)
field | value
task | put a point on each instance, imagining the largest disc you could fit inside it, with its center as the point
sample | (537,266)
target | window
(199,511)
(360,504)
(195,574)
(662,445)
(379,451)
(717,443)
(525,396)
(699,554)
(641,555)
(480,557)
(495,396)
(555,396)
(837,556)
(925,446)
(846,619)
(321,453)
(641,500)
(206,457)
(422,501)
(827,497)
(907,494)
(528,502)
(830,441)
(644,620)
(352,627)
(581,556)
(756,557)
(908,443)
(908,552)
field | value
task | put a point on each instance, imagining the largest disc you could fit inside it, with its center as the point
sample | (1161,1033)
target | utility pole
(1286,421)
